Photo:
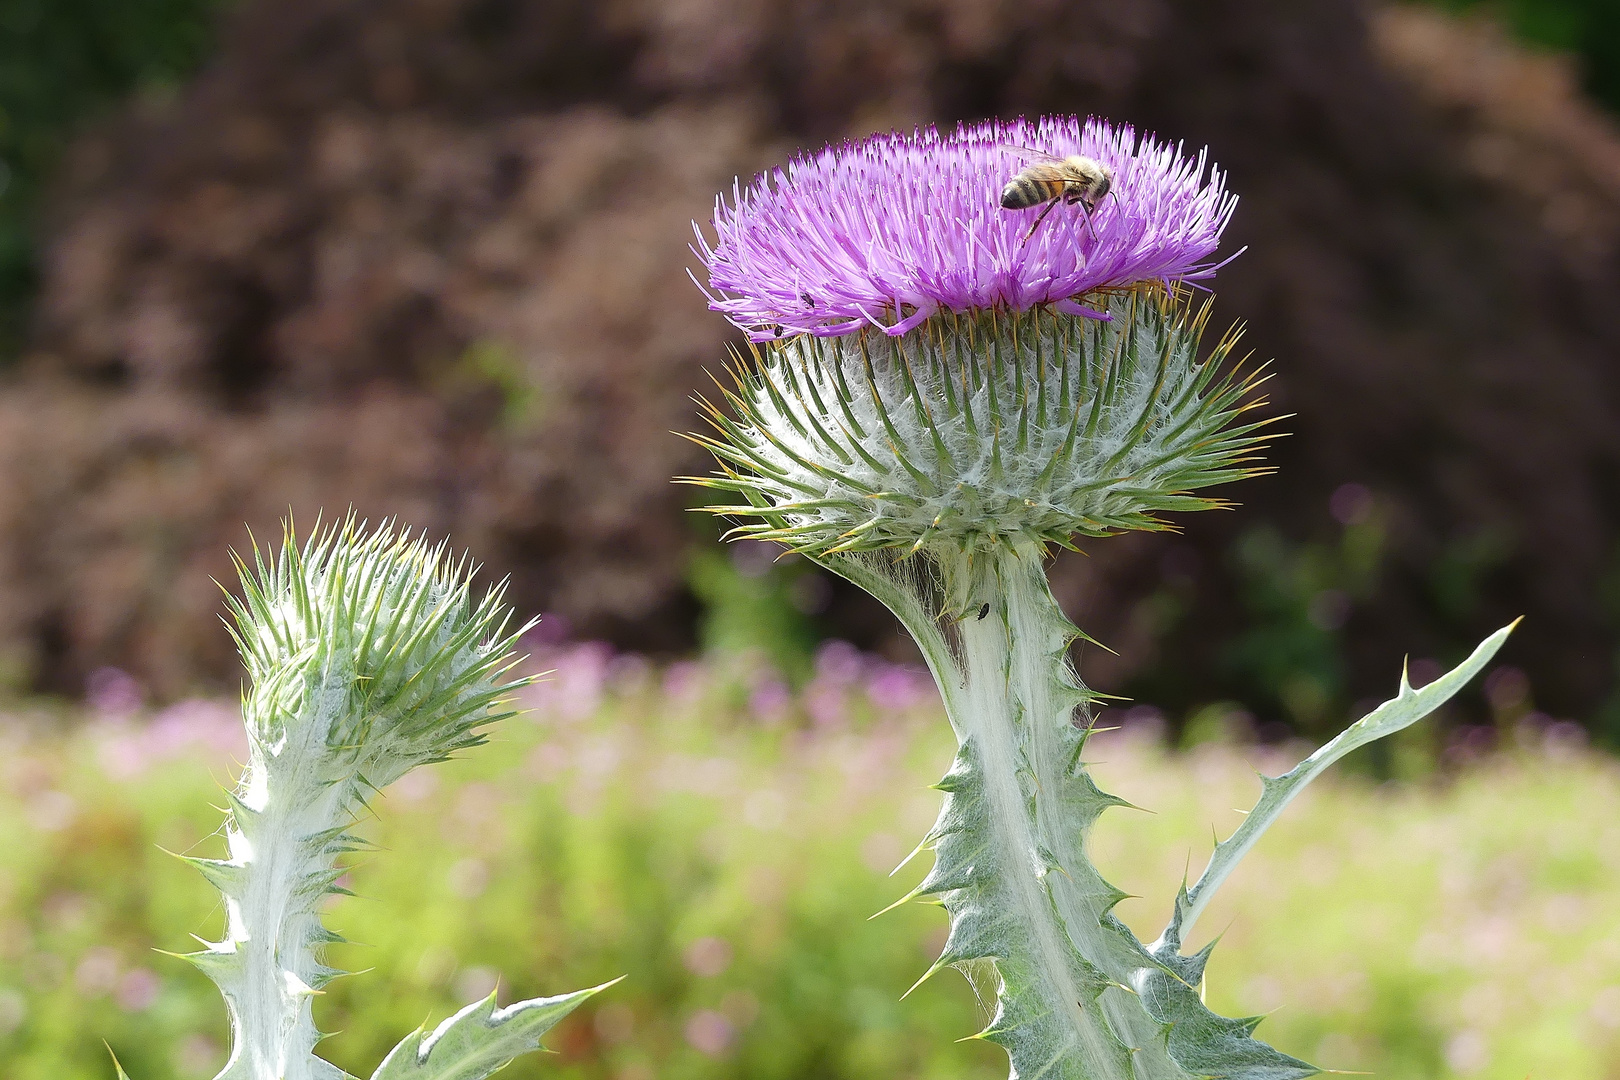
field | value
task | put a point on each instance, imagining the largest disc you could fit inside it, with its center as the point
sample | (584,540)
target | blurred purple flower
(550,630)
(707,956)
(859,233)
(127,747)
(685,681)
(894,688)
(709,1032)
(138,990)
(770,700)
(113,692)
(573,687)
(839,663)
(97,972)
(216,725)
(826,702)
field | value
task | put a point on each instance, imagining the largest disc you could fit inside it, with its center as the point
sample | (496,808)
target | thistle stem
(284,835)
(1020,707)
(275,925)
(1078,996)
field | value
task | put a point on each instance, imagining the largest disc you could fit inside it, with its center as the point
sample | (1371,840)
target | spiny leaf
(1406,708)
(479,1039)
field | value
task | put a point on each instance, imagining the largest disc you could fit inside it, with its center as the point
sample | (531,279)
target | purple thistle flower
(892,229)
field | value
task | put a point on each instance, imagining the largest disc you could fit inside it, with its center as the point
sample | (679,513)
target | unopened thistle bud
(946,375)
(368,657)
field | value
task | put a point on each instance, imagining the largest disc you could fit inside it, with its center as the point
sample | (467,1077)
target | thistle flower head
(368,654)
(890,230)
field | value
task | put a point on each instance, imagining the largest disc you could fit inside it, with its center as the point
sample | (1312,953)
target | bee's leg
(1086,208)
(1039,218)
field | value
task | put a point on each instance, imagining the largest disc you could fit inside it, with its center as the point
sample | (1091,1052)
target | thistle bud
(367,654)
(984,428)
(368,657)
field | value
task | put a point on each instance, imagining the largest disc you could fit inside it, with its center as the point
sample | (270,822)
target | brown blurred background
(427,258)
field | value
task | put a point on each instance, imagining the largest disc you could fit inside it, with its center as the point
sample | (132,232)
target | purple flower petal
(895,227)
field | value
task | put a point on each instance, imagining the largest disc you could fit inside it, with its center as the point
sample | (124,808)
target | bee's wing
(1030,153)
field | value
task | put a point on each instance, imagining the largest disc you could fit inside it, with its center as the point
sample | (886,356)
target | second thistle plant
(938,391)
(368,658)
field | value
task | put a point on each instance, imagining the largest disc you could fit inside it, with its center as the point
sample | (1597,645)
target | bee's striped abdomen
(1026,190)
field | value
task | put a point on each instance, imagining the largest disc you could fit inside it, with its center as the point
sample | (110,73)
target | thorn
(929,974)
(903,900)
(122,1075)
(298,987)
(921,844)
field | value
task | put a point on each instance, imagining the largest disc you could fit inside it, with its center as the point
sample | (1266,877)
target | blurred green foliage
(1288,662)
(1588,28)
(62,62)
(758,601)
(645,823)
(1298,597)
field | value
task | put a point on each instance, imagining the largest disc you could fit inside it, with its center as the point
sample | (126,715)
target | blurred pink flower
(839,663)
(709,1032)
(126,746)
(827,703)
(707,956)
(138,990)
(97,971)
(770,700)
(578,676)
(113,692)
(895,688)
(684,681)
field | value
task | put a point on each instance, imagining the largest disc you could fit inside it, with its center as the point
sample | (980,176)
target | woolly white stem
(275,924)
(1078,997)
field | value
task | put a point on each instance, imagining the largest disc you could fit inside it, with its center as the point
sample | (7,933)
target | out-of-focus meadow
(722,840)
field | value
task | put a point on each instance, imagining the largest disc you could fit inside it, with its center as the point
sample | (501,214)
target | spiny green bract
(376,638)
(979,427)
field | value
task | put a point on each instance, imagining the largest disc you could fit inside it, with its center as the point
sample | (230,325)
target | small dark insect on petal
(983,612)
(809,301)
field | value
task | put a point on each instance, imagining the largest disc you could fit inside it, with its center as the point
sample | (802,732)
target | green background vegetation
(661,825)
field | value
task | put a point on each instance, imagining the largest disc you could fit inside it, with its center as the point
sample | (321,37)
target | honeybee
(1051,179)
